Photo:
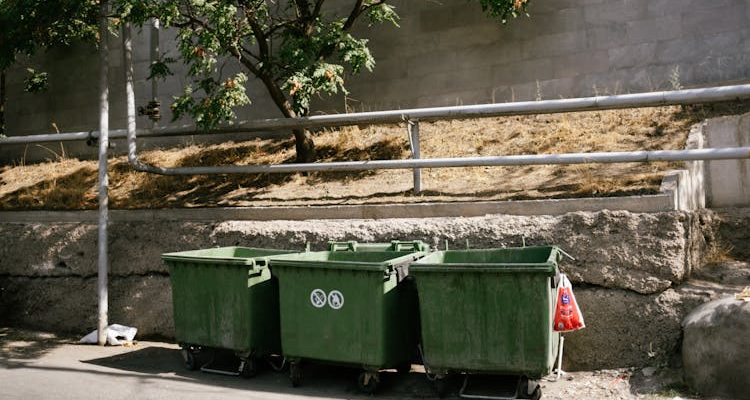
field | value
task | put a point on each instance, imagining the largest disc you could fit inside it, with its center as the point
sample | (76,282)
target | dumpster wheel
(188,356)
(537,394)
(367,381)
(440,384)
(295,373)
(248,367)
(404,368)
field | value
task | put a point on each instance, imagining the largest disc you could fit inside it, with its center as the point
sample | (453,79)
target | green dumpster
(225,298)
(488,311)
(394,245)
(348,308)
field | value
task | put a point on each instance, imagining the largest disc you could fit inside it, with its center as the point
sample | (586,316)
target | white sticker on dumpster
(318,298)
(335,299)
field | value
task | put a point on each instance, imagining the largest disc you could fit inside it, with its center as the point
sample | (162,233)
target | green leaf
(35,82)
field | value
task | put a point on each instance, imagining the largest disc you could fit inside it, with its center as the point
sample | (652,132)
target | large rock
(645,253)
(715,348)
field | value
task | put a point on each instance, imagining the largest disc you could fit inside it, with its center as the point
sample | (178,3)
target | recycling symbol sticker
(318,298)
(335,299)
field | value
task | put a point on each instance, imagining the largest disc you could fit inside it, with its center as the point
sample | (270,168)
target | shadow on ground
(19,345)
(318,379)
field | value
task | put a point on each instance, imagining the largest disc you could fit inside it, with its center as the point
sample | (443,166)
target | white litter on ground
(117,335)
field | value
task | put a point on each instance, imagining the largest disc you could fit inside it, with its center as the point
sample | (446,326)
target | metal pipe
(154,42)
(651,99)
(413,130)
(127,45)
(732,153)
(103,269)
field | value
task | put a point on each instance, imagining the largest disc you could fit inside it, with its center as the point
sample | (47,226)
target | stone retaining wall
(626,269)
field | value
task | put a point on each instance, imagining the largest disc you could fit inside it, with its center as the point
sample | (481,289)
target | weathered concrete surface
(68,304)
(728,181)
(624,328)
(714,348)
(628,269)
(646,253)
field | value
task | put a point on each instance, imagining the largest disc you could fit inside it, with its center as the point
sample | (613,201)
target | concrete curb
(638,204)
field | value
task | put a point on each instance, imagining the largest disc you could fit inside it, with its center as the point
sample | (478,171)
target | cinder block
(525,71)
(551,6)
(497,53)
(681,49)
(580,64)
(426,63)
(651,30)
(439,17)
(554,45)
(631,55)
(559,21)
(486,33)
(615,11)
(457,80)
(456,98)
(703,22)
(660,8)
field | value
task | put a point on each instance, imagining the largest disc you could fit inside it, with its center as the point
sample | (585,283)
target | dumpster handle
(399,245)
(563,252)
(430,376)
(402,268)
(342,246)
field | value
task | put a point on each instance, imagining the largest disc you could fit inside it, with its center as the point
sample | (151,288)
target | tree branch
(318,6)
(356,10)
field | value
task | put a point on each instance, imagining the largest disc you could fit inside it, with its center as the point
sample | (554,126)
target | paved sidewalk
(43,366)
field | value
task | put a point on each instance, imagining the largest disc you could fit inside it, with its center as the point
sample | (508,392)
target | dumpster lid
(502,260)
(348,260)
(233,255)
(393,245)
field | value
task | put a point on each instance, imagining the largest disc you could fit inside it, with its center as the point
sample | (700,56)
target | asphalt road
(43,366)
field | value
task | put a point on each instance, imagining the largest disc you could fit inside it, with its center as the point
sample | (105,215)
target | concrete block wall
(448,53)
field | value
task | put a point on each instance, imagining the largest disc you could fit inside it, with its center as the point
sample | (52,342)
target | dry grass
(71,184)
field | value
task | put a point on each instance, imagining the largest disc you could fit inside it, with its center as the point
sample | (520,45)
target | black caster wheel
(191,364)
(248,368)
(530,389)
(367,382)
(295,373)
(441,387)
(404,368)
(277,363)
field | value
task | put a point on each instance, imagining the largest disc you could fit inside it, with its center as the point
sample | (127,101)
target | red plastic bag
(568,316)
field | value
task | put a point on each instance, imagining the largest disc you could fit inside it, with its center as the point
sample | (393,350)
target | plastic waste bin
(488,311)
(225,298)
(394,245)
(347,308)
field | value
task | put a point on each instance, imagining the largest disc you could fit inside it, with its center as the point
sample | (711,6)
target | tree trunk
(303,141)
(304,145)
(2,102)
